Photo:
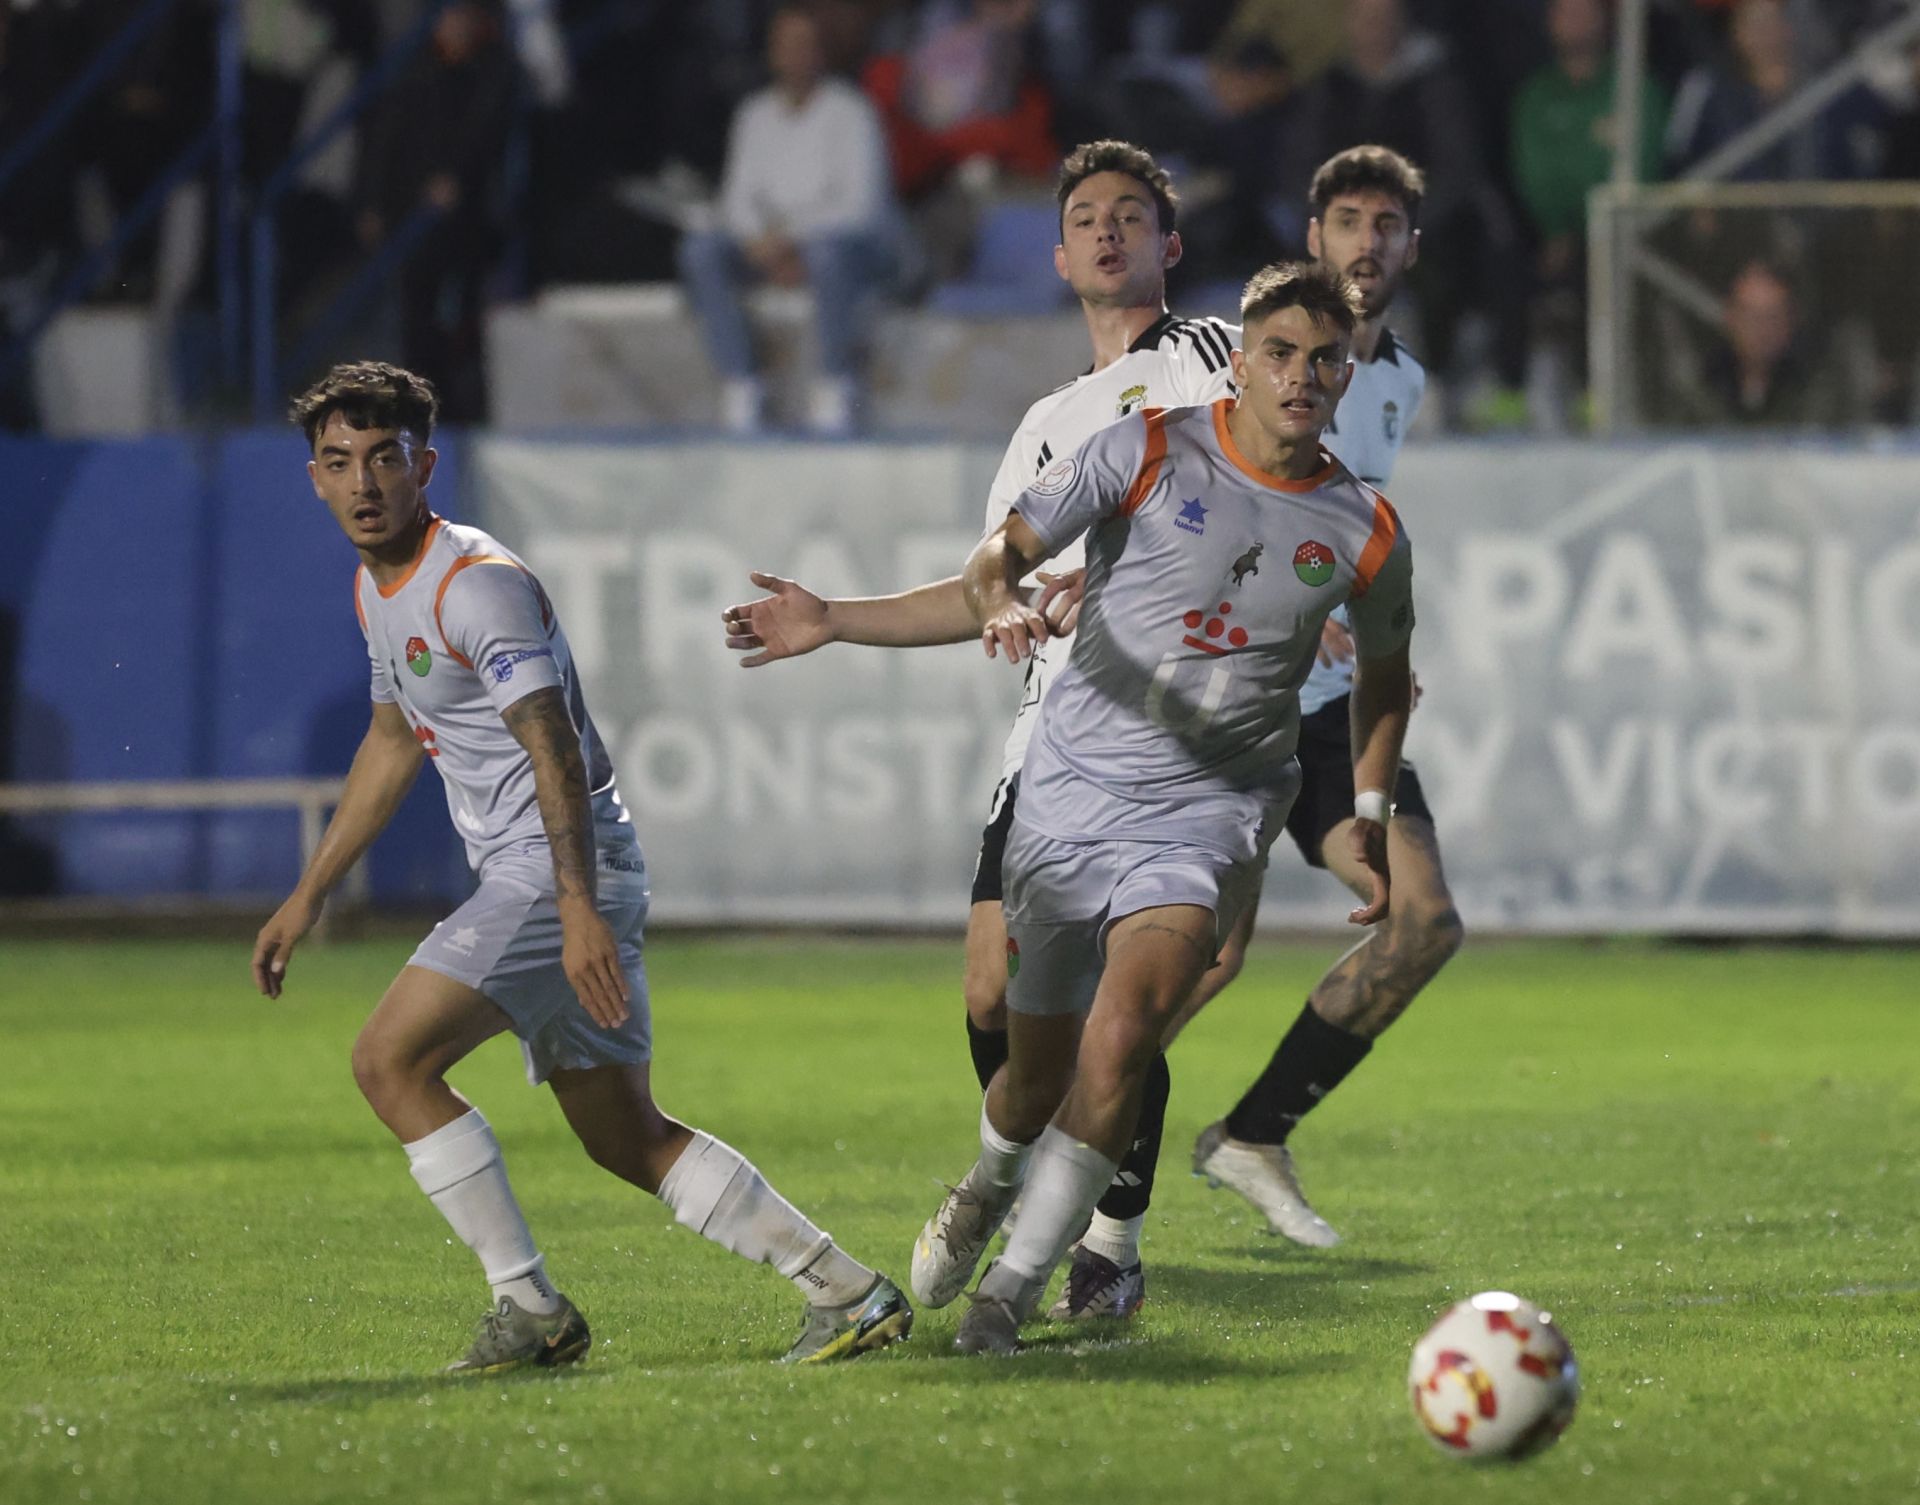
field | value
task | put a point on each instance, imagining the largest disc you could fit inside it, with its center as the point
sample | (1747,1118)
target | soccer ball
(1493,1378)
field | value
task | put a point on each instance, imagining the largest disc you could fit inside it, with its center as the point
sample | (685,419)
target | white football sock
(715,1190)
(1066,1180)
(1003,1164)
(1117,1239)
(460,1169)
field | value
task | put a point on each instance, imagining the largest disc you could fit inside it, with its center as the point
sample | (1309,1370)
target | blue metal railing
(268,370)
(219,139)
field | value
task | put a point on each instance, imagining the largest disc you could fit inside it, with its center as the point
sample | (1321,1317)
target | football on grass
(1493,1378)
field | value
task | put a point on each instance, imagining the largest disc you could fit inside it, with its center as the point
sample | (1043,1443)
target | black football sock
(989,1050)
(1132,1187)
(1314,1057)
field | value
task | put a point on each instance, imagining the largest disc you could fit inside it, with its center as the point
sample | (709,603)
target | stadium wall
(1665,689)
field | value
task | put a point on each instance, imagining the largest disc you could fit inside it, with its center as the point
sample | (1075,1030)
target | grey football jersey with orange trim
(465,633)
(1175,363)
(1208,582)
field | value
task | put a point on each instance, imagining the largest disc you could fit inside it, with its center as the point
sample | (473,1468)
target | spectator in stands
(1764,372)
(1764,65)
(1310,34)
(432,157)
(804,201)
(1397,87)
(962,92)
(135,130)
(1250,222)
(1564,139)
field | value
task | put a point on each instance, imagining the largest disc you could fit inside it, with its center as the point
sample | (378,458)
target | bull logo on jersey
(1313,563)
(1247,564)
(1390,421)
(419,656)
(1131,399)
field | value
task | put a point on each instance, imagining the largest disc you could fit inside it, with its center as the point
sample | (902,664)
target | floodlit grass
(217,1281)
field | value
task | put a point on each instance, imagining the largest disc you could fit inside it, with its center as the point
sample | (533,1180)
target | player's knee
(375,1070)
(1429,931)
(985,991)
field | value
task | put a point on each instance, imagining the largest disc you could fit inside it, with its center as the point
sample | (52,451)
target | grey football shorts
(1063,897)
(505,942)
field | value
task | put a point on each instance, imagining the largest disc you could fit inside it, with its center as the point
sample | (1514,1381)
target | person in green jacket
(1563,134)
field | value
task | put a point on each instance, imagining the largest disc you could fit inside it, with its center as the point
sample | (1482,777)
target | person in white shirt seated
(806,200)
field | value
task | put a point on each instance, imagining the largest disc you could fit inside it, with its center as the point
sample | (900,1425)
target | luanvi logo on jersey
(1131,399)
(1390,420)
(419,656)
(1192,518)
(1313,563)
(1215,628)
(1247,564)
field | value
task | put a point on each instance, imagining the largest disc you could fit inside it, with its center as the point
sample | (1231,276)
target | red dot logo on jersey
(1313,563)
(1214,627)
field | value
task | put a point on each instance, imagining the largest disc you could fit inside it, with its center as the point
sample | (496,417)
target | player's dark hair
(1318,289)
(1123,157)
(1368,169)
(368,395)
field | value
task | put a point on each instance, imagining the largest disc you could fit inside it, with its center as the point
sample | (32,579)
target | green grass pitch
(218,1283)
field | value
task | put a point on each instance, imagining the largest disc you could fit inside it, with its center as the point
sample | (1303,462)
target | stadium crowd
(567,141)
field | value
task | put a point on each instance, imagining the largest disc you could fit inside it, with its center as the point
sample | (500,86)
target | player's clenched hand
(590,957)
(1014,630)
(1367,839)
(1059,600)
(277,938)
(789,622)
(1336,644)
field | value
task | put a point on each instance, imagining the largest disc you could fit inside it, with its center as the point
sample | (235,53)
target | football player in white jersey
(471,671)
(1366,205)
(1118,239)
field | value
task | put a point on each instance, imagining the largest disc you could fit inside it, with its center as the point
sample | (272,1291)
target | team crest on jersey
(1192,518)
(1013,957)
(1390,421)
(419,656)
(1248,564)
(1313,563)
(1131,399)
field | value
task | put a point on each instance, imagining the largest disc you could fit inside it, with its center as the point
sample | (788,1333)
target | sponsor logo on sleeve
(1056,478)
(500,666)
(1403,618)
(419,656)
(1390,421)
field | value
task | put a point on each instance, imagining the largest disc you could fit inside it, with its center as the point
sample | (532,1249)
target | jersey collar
(1246,467)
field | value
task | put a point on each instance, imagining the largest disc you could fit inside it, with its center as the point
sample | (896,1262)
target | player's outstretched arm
(383,771)
(1006,623)
(791,620)
(589,954)
(1382,702)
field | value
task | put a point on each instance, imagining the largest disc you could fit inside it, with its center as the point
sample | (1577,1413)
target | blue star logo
(1193,517)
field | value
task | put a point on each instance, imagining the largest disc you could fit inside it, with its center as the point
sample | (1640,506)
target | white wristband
(1373,805)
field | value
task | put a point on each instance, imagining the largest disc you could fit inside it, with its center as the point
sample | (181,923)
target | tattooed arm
(589,953)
